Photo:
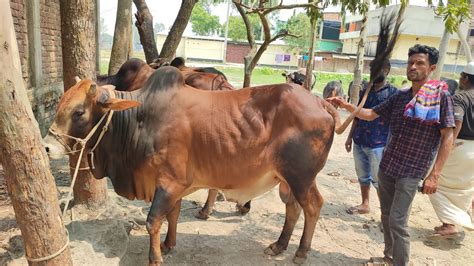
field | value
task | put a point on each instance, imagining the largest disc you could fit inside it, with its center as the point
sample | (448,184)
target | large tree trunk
(355,89)
(309,67)
(79,55)
(122,35)
(29,181)
(465,45)
(144,25)
(174,37)
(443,49)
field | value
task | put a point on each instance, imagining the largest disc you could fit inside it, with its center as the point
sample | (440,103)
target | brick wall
(44,96)
(51,41)
(236,52)
(18,8)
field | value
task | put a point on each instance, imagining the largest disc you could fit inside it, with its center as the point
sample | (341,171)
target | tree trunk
(122,35)
(443,49)
(465,45)
(309,67)
(79,55)
(174,37)
(28,177)
(144,25)
(355,89)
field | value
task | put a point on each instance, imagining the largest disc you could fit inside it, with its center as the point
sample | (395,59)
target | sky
(165,11)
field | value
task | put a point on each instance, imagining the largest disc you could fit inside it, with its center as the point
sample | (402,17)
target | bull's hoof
(299,258)
(242,210)
(165,249)
(203,215)
(274,249)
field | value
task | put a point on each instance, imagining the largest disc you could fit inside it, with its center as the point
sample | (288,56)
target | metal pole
(224,56)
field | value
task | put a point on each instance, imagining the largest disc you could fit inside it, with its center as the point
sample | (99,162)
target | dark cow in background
(171,143)
(364,84)
(333,89)
(298,77)
(133,74)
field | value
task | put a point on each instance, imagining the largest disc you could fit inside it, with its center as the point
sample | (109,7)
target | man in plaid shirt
(410,151)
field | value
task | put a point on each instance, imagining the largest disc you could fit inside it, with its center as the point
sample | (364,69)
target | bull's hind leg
(208,206)
(311,201)
(164,205)
(293,211)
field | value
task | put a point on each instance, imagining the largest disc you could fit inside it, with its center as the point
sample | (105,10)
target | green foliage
(203,23)
(454,13)
(267,71)
(299,25)
(238,31)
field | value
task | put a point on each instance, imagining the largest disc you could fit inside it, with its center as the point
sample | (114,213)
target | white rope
(54,255)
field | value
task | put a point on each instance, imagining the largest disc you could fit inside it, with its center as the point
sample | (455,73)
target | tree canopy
(203,23)
(238,31)
(299,24)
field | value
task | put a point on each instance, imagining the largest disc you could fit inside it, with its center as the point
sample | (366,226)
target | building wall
(40,55)
(206,49)
(236,52)
(18,9)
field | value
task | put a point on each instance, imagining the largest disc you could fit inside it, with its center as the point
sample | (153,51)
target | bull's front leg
(172,217)
(162,205)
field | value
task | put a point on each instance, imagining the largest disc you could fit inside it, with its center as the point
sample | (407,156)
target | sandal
(379,261)
(357,210)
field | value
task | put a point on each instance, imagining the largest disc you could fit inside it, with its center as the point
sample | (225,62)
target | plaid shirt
(412,145)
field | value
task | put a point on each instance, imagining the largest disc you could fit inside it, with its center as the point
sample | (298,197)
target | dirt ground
(109,237)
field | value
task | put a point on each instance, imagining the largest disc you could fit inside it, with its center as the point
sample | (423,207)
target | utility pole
(224,56)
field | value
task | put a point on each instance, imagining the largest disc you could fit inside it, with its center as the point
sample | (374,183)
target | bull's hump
(165,78)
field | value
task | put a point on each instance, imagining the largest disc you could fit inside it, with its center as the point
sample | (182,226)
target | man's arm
(348,143)
(431,182)
(364,114)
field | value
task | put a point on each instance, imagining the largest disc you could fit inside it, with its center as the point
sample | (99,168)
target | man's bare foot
(359,209)
(449,229)
(440,227)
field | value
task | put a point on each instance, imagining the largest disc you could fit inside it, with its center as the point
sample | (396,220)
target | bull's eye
(77,114)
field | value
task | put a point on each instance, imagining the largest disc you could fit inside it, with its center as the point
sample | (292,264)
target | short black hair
(177,62)
(433,53)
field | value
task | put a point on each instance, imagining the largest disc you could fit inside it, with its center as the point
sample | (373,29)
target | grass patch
(265,75)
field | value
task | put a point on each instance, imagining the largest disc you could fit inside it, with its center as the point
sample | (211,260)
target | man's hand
(337,101)
(431,184)
(348,144)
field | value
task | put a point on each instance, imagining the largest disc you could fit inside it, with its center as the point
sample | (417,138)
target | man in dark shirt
(456,185)
(370,138)
(409,152)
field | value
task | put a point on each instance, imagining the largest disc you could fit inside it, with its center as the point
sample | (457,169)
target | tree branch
(240,7)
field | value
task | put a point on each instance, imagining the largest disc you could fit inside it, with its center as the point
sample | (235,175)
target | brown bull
(167,147)
(133,74)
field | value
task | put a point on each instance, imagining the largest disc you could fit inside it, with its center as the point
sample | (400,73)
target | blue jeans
(367,162)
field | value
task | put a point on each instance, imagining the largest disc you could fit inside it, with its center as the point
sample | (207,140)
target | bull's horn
(92,90)
(77,79)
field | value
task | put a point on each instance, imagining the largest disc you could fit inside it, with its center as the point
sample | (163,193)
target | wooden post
(78,29)
(29,181)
